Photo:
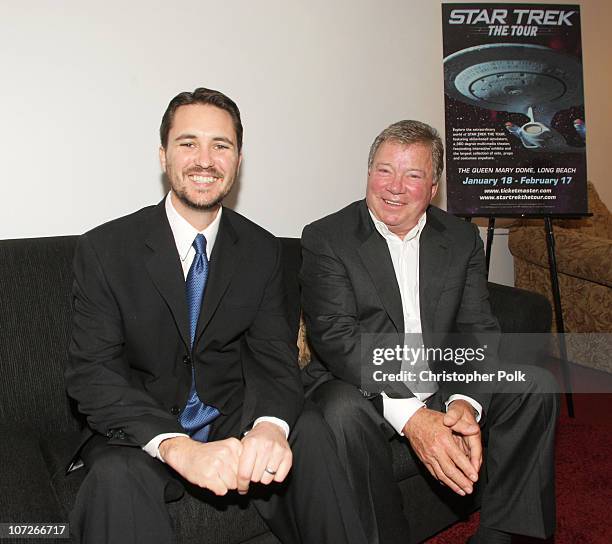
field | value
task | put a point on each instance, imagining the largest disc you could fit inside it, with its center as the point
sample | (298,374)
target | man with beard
(183,361)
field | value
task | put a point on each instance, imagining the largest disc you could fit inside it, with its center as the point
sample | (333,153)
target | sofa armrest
(578,254)
(518,310)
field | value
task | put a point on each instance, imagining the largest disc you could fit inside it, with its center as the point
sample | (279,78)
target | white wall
(85,84)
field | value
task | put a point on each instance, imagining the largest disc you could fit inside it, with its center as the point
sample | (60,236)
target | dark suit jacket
(349,289)
(130,358)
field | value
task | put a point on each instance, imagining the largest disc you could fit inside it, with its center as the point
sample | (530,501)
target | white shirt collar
(184,233)
(388,235)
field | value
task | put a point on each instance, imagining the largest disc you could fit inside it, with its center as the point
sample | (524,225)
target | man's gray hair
(413,132)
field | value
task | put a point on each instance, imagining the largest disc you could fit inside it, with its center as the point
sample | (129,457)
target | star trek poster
(514,105)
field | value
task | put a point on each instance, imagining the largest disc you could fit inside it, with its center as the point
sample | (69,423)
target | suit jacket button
(175,410)
(187,360)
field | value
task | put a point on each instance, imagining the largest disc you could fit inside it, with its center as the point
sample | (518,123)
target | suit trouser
(123,496)
(518,429)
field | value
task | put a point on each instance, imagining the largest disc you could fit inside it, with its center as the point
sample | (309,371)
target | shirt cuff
(398,411)
(470,400)
(152,446)
(282,424)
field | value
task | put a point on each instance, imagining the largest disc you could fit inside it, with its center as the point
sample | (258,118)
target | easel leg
(490,234)
(554,281)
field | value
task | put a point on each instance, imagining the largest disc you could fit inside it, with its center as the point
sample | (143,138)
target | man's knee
(310,423)
(541,380)
(115,467)
(311,437)
(537,390)
(543,389)
(343,405)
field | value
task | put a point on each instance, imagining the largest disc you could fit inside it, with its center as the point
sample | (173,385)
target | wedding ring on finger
(270,471)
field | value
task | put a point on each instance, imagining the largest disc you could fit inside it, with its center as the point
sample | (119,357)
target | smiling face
(201,160)
(400,185)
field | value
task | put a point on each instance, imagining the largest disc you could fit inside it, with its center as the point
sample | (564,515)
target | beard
(206,205)
(180,190)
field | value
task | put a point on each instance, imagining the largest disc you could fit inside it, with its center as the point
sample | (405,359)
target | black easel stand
(490,234)
(554,282)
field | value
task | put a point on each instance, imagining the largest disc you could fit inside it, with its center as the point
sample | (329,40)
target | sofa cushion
(231,519)
(57,450)
(26,493)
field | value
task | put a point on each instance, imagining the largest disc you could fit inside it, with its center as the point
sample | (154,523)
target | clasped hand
(262,456)
(449,445)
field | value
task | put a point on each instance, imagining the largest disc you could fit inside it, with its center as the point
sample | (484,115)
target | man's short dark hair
(205,97)
(409,133)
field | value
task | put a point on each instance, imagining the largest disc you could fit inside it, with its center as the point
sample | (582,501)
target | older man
(184,363)
(394,264)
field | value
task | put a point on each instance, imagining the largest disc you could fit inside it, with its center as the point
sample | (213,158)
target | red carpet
(584,478)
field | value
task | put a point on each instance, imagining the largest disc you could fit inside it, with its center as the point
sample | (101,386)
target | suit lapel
(223,263)
(433,268)
(376,258)
(165,270)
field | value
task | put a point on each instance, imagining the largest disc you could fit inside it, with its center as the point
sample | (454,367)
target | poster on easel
(514,108)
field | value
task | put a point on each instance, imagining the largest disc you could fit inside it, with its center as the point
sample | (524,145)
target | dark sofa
(38,423)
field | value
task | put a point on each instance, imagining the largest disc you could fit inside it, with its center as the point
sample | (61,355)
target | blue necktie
(197,416)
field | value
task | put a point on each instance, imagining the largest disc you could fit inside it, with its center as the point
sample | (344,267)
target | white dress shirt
(184,234)
(405,258)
